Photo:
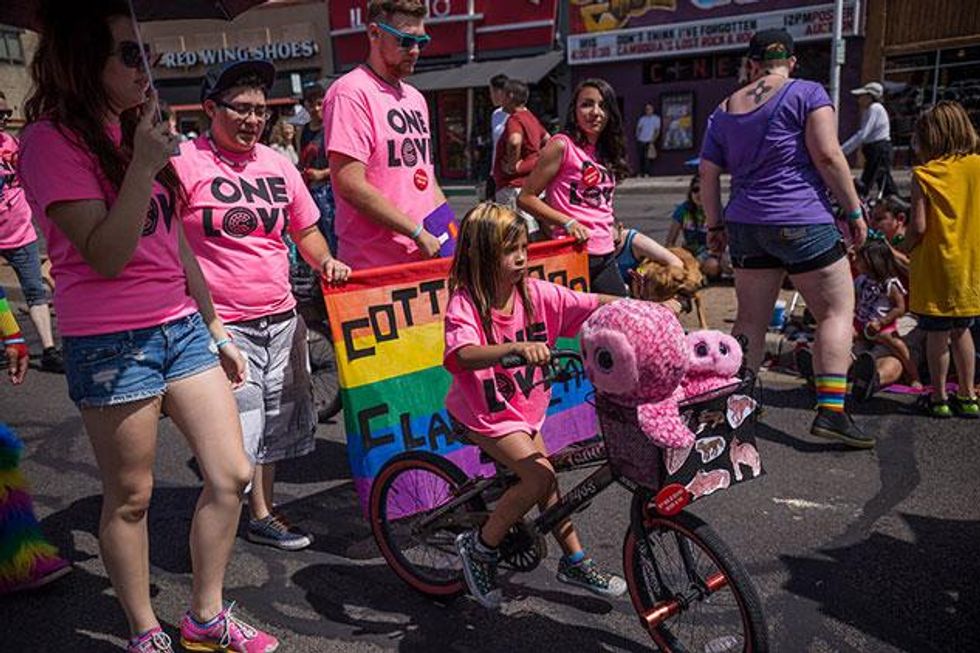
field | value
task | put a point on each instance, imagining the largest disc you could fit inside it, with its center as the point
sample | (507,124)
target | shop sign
(729,33)
(280,51)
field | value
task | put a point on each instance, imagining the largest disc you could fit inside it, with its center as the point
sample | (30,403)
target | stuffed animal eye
(701,349)
(723,348)
(604,360)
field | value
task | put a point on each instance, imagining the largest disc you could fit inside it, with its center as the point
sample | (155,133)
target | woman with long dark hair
(140,331)
(578,171)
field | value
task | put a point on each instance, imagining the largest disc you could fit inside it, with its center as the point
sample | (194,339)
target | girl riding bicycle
(496,310)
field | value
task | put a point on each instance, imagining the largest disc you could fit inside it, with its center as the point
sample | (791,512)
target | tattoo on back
(759,91)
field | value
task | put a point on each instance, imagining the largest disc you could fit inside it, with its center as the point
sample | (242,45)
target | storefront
(684,57)
(923,53)
(292,34)
(472,40)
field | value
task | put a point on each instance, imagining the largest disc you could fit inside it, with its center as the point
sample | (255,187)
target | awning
(470,75)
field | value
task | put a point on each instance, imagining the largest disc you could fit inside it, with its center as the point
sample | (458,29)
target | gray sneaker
(586,574)
(480,570)
(275,531)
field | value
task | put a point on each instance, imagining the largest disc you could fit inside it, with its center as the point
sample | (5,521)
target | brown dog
(658,282)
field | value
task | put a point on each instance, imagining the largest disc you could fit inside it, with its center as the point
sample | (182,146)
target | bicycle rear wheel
(691,593)
(406,492)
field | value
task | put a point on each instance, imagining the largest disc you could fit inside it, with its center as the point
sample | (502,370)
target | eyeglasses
(406,41)
(5,114)
(129,53)
(243,111)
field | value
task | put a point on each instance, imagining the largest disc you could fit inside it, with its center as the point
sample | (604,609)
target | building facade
(685,56)
(293,34)
(16,50)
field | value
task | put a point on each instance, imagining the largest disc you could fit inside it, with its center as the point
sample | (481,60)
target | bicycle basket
(723,453)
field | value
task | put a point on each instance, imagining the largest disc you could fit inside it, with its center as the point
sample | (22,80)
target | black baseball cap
(223,76)
(770,44)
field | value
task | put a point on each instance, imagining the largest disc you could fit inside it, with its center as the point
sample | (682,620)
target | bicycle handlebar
(516,360)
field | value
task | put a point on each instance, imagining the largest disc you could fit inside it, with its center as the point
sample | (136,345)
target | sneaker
(803,358)
(965,406)
(586,574)
(224,633)
(43,571)
(152,641)
(840,426)
(52,361)
(275,531)
(937,409)
(480,570)
(864,377)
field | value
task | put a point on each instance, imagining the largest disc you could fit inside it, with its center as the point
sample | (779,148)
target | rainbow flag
(387,327)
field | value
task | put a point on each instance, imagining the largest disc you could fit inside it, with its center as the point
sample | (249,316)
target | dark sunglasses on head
(6,113)
(406,41)
(129,53)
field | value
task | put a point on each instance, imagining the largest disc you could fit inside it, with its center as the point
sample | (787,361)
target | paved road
(851,551)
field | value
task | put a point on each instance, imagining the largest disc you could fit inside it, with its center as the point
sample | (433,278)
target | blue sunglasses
(406,41)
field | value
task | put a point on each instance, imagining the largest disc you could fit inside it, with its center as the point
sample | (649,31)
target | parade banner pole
(837,53)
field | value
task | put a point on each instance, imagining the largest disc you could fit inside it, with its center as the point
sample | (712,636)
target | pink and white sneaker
(225,633)
(152,641)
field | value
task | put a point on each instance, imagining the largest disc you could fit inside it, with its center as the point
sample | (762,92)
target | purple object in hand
(441,223)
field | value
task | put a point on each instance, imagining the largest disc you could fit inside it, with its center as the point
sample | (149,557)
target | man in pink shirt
(380,148)
(18,244)
(242,197)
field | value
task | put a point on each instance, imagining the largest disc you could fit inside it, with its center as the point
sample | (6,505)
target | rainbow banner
(387,327)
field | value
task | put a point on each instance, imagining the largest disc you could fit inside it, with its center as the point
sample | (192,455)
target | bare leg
(937,356)
(260,499)
(519,453)
(898,347)
(964,356)
(203,407)
(41,317)
(889,370)
(124,439)
(564,532)
(829,294)
(755,292)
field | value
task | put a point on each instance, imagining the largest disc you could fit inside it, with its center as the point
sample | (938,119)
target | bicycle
(690,592)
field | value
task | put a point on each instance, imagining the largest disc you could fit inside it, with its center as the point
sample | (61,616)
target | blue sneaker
(587,575)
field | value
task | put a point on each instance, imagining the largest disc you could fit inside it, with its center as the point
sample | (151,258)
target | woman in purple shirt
(778,138)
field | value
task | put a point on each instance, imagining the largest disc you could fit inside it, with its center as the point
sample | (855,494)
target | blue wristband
(218,344)
(417,232)
(855,214)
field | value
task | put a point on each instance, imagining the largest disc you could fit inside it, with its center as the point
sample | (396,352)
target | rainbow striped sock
(830,391)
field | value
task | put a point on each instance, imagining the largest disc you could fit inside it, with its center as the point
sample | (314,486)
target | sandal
(965,406)
(937,409)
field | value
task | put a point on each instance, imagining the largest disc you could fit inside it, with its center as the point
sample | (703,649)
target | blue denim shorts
(126,366)
(794,248)
(942,323)
(26,262)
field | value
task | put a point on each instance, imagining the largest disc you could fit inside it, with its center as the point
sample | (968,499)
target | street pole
(837,53)
(470,56)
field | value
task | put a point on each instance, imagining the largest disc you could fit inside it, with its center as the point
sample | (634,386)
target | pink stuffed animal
(715,360)
(635,354)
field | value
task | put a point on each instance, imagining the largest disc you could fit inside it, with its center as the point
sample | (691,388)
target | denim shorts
(941,323)
(26,262)
(125,366)
(794,248)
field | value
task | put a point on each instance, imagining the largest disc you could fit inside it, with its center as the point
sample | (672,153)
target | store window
(916,81)
(11,50)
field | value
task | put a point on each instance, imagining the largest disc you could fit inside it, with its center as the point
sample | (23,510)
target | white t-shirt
(497,122)
(874,127)
(647,128)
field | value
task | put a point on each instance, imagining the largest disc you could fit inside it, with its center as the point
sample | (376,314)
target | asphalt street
(871,551)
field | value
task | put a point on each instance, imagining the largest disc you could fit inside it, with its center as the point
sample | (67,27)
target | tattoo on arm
(759,91)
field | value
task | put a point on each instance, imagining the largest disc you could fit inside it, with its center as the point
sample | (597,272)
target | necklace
(225,160)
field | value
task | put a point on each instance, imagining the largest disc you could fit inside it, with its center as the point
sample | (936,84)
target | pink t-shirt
(150,290)
(387,129)
(16,229)
(234,223)
(496,401)
(583,189)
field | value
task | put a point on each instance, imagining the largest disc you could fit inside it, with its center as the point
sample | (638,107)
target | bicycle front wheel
(690,591)
(413,528)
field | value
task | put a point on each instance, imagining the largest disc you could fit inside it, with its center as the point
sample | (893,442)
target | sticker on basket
(739,407)
(710,448)
(705,483)
(671,499)
(710,419)
(744,453)
(674,458)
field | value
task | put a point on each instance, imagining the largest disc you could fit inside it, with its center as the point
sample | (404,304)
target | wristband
(571,223)
(855,214)
(717,227)
(417,232)
(218,344)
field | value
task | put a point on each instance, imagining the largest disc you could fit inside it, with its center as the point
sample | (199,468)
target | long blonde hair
(945,130)
(485,232)
(278,134)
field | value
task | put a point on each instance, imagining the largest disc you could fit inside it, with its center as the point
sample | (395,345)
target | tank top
(583,189)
